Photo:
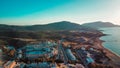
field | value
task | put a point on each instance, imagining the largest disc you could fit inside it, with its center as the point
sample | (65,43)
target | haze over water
(112,40)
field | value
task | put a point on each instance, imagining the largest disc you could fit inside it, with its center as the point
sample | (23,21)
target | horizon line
(57,22)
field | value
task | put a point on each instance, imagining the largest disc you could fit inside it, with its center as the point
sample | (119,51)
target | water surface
(112,40)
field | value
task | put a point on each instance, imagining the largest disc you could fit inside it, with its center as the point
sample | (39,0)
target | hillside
(63,25)
(99,24)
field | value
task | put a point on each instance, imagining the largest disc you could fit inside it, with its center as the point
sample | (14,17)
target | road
(79,54)
(61,49)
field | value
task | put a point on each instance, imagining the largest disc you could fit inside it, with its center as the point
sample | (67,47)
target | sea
(112,40)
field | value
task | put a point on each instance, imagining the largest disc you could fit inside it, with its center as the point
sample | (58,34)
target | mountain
(62,25)
(99,24)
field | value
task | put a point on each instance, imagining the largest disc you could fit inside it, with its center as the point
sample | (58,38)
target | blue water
(112,40)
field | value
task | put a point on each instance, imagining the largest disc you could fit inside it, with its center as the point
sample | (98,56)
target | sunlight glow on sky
(27,12)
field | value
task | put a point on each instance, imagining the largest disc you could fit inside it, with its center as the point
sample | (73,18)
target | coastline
(115,59)
(112,51)
(105,47)
(108,48)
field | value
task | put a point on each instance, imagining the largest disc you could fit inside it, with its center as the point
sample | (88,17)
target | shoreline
(115,59)
(106,34)
(103,41)
(111,51)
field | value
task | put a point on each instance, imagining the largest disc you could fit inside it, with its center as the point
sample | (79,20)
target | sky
(30,12)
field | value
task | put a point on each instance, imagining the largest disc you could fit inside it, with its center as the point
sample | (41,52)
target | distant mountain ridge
(100,24)
(62,25)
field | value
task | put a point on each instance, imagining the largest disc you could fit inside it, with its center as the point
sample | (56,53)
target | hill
(99,24)
(62,25)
